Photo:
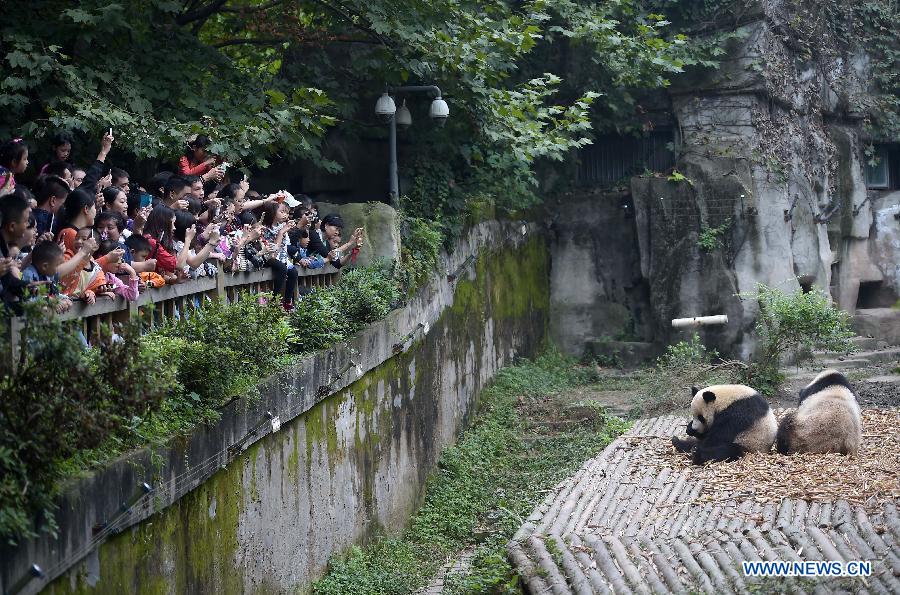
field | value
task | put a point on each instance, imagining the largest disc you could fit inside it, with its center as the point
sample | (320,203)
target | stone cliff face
(771,149)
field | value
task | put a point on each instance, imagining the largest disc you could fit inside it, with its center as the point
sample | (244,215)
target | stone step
(873,356)
(886,379)
(867,343)
(844,364)
(880,323)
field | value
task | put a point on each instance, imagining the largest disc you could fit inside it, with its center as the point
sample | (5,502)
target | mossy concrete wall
(352,464)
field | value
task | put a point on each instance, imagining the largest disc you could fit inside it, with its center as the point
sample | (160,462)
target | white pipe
(699,321)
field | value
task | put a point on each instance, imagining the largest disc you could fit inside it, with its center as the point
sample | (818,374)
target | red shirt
(164,259)
(184,165)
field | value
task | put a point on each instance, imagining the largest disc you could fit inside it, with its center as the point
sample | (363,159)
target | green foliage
(318,322)
(678,177)
(799,323)
(710,238)
(222,350)
(484,486)
(420,248)
(60,399)
(366,294)
(683,365)
(76,68)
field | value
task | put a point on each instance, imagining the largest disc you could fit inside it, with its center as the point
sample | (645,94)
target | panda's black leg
(717,452)
(684,445)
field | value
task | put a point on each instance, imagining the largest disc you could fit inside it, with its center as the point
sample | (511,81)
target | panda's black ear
(694,390)
(709,396)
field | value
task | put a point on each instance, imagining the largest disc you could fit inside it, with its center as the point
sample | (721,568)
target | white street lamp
(385,107)
(439,111)
(404,118)
(387,111)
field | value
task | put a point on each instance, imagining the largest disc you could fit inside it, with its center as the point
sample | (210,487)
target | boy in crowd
(43,271)
(140,250)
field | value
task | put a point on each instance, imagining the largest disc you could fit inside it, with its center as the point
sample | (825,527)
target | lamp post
(386,109)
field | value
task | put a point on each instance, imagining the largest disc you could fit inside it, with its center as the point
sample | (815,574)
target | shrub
(63,398)
(798,323)
(318,322)
(419,252)
(224,349)
(684,364)
(366,294)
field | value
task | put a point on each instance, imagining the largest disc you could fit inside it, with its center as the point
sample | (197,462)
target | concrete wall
(343,466)
(597,290)
(770,156)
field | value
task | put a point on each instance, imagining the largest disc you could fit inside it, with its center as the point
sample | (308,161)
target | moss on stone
(187,549)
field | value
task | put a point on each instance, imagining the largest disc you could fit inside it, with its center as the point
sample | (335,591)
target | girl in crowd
(61,144)
(275,241)
(13,160)
(88,281)
(197,161)
(196,264)
(160,233)
(128,290)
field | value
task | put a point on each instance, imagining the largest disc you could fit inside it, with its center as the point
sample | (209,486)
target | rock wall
(349,461)
(770,189)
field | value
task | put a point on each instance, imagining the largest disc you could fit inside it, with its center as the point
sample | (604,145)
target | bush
(684,364)
(63,398)
(318,322)
(419,252)
(224,349)
(798,323)
(366,294)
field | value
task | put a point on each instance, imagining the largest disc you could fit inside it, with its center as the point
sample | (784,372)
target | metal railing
(154,306)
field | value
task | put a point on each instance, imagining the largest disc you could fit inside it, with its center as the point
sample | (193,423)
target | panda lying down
(728,420)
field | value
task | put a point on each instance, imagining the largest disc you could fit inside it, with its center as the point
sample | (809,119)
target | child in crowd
(21,250)
(52,192)
(140,250)
(160,232)
(298,253)
(110,225)
(89,281)
(13,160)
(275,244)
(61,143)
(246,248)
(60,169)
(128,290)
(196,264)
(46,258)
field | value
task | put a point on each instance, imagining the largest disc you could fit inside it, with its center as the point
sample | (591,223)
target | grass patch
(525,438)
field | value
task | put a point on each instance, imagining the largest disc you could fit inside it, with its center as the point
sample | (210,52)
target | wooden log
(606,564)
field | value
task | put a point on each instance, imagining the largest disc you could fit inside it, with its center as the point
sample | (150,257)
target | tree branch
(277,40)
(249,9)
(201,13)
(341,12)
(250,41)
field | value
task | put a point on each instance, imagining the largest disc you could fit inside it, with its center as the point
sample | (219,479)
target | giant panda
(827,419)
(727,420)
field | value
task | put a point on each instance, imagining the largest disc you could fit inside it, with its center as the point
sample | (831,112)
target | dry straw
(869,480)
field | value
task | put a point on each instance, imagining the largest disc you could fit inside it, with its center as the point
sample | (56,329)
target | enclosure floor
(626,523)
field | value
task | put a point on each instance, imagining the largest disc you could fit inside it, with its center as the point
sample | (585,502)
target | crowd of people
(89,233)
